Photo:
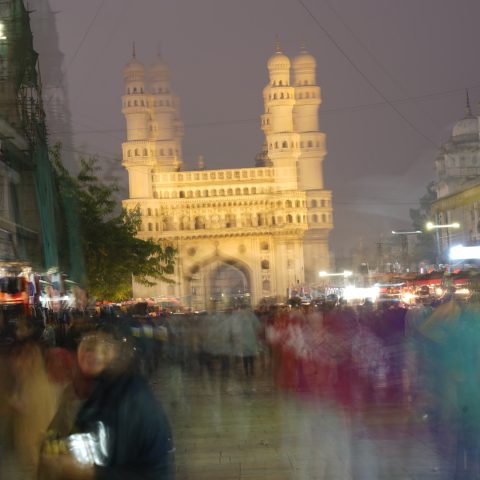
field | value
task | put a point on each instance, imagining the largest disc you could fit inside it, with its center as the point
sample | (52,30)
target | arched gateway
(220,282)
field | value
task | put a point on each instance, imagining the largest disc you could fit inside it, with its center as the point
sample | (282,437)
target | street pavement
(238,429)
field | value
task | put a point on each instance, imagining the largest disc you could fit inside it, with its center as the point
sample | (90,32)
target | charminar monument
(240,232)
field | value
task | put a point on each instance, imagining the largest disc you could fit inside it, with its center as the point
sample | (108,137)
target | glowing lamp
(345,273)
(361,293)
(432,226)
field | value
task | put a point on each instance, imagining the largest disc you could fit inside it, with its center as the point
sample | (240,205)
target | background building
(246,233)
(27,209)
(458,185)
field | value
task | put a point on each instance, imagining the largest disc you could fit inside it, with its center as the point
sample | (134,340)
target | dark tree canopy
(425,244)
(113,252)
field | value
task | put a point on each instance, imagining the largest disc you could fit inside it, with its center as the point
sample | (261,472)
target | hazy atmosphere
(239,239)
(392,74)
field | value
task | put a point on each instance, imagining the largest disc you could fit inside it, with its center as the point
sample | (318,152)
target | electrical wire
(364,75)
(326,111)
(377,62)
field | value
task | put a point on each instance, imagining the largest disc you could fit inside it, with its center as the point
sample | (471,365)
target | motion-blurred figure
(34,396)
(120,431)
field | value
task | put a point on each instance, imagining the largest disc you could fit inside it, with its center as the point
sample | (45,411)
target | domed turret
(279,67)
(467,128)
(304,60)
(160,71)
(134,69)
(278,61)
(304,66)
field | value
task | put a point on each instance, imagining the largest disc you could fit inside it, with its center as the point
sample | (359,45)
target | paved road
(232,429)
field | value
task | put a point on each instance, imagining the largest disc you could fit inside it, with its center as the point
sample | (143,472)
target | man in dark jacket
(121,420)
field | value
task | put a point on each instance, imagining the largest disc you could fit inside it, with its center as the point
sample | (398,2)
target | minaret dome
(279,67)
(160,72)
(304,66)
(134,69)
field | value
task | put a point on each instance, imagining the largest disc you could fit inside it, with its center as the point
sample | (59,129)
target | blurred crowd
(74,403)
(78,378)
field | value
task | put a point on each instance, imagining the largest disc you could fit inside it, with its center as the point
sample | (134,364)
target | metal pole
(437,242)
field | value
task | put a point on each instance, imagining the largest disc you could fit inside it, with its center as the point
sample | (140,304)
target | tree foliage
(425,244)
(113,252)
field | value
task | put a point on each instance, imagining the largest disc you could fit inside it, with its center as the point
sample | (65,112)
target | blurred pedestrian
(131,432)
(34,396)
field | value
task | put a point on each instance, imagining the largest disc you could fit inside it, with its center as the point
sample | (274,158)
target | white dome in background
(467,128)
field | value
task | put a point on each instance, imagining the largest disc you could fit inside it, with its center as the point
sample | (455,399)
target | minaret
(277,121)
(134,101)
(166,126)
(312,152)
(136,156)
(305,120)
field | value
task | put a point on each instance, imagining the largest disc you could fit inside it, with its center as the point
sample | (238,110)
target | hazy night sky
(378,164)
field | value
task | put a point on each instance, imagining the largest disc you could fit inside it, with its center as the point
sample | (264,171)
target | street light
(433,226)
(345,273)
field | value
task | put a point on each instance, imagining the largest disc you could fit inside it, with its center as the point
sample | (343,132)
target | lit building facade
(458,185)
(247,232)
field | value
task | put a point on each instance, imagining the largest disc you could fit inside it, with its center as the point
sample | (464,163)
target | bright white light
(459,252)
(462,291)
(2,32)
(439,292)
(345,273)
(360,293)
(431,226)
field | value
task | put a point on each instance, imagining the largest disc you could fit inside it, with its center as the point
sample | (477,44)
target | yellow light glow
(2,32)
(408,297)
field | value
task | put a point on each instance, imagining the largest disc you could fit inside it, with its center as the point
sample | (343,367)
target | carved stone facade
(249,232)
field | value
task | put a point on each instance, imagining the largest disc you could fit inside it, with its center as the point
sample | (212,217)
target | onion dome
(160,70)
(278,61)
(466,129)
(304,60)
(134,66)
(468,126)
